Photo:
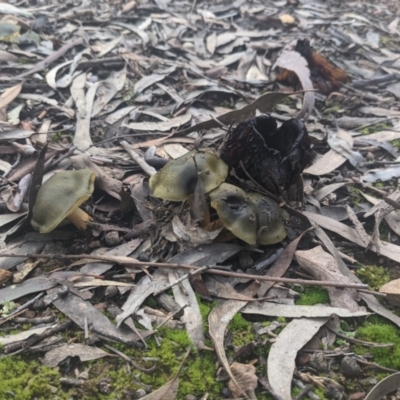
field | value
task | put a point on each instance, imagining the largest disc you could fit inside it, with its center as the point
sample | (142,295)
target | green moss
(320,392)
(381,126)
(332,108)
(313,295)
(242,330)
(198,373)
(385,40)
(7,307)
(374,276)
(379,330)
(26,380)
(199,376)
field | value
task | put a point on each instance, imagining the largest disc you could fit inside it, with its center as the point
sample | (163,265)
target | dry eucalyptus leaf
(160,126)
(296,311)
(218,320)
(387,249)
(389,384)
(263,104)
(9,95)
(144,288)
(331,160)
(322,266)
(282,356)
(184,295)
(293,61)
(191,233)
(24,335)
(84,104)
(5,276)
(85,353)
(246,378)
(392,290)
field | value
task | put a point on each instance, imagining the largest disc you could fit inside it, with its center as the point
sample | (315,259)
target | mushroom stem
(80,219)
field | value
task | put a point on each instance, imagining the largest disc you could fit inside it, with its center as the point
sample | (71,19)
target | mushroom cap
(59,196)
(236,211)
(178,178)
(269,218)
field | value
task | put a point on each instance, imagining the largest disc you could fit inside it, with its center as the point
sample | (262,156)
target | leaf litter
(129,87)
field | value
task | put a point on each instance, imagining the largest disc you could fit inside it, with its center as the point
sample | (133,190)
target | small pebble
(111,291)
(332,392)
(190,397)
(139,394)
(112,239)
(349,367)
(318,361)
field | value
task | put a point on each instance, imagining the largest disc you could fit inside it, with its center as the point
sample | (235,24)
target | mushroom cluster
(59,198)
(252,217)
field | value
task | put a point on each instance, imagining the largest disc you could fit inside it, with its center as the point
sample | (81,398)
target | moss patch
(374,276)
(313,295)
(242,330)
(198,373)
(26,380)
(379,330)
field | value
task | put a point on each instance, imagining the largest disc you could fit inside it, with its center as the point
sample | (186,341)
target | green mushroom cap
(251,217)
(178,178)
(269,217)
(60,197)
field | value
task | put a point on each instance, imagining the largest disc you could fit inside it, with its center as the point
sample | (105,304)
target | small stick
(362,342)
(138,160)
(126,358)
(131,261)
(370,364)
(171,316)
(51,58)
(181,279)
(20,309)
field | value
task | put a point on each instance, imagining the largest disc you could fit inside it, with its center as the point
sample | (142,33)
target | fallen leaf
(293,61)
(85,353)
(282,356)
(10,94)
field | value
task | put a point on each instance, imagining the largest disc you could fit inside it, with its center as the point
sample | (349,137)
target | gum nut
(178,178)
(269,219)
(60,197)
(236,211)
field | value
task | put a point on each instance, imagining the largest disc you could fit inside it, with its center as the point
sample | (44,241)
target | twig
(370,364)
(182,278)
(20,309)
(171,316)
(131,261)
(364,343)
(125,357)
(392,202)
(303,392)
(51,58)
(138,160)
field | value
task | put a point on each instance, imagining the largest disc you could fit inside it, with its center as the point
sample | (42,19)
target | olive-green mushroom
(252,217)
(178,178)
(236,211)
(60,197)
(270,225)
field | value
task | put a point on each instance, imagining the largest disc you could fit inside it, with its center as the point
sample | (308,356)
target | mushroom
(178,178)
(270,226)
(252,217)
(236,211)
(60,197)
